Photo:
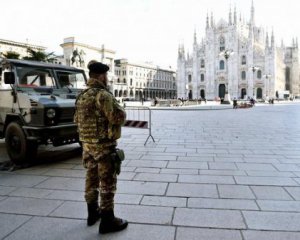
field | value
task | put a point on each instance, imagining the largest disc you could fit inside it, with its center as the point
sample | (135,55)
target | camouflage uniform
(99,118)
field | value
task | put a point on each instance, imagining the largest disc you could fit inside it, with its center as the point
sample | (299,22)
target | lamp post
(254,69)
(227,54)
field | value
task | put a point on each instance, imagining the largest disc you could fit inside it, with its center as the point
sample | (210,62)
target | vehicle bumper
(57,135)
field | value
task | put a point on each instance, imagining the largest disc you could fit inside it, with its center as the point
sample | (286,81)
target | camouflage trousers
(100,175)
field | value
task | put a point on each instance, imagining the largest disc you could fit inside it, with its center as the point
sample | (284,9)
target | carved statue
(77,58)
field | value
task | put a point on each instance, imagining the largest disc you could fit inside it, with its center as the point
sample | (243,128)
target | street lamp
(227,54)
(254,69)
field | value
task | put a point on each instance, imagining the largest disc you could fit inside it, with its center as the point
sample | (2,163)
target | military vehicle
(37,103)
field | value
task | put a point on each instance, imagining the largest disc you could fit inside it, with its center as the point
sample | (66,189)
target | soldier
(99,118)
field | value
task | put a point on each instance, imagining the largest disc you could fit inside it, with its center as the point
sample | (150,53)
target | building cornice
(20,44)
(87,46)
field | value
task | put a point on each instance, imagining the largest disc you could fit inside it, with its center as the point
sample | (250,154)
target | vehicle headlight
(51,113)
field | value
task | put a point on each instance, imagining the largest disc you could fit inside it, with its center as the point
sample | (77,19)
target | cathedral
(240,59)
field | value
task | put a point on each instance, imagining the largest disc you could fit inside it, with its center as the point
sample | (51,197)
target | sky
(139,30)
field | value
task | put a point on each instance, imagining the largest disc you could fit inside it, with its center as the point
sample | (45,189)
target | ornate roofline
(21,44)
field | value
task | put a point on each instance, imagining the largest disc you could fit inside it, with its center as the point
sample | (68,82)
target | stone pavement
(211,175)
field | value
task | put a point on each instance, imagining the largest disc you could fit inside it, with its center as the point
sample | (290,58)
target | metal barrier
(139,117)
(168,102)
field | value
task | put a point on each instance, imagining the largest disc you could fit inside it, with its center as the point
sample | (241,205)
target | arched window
(202,77)
(124,80)
(244,60)
(222,65)
(116,93)
(130,81)
(190,78)
(202,63)
(118,80)
(243,75)
(259,75)
(222,44)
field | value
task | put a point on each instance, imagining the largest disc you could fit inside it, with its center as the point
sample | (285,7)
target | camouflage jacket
(98,115)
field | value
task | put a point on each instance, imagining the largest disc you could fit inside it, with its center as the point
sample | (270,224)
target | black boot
(93,213)
(109,223)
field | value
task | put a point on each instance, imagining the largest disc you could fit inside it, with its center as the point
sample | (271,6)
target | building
(143,81)
(239,58)
(126,79)
(80,55)
(18,47)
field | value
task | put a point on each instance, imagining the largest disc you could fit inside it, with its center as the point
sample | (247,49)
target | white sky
(140,30)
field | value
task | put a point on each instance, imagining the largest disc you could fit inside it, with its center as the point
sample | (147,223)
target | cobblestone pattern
(228,174)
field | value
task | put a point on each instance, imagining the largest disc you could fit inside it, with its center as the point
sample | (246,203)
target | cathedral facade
(238,58)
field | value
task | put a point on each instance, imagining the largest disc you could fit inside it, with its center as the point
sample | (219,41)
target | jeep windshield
(49,80)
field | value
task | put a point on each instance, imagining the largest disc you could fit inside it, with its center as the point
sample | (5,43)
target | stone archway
(190,94)
(243,93)
(259,93)
(202,93)
(131,93)
(141,95)
(120,93)
(222,89)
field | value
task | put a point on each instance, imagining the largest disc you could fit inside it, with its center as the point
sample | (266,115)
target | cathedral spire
(272,39)
(235,16)
(212,20)
(207,21)
(294,44)
(230,16)
(195,37)
(267,40)
(252,21)
(282,44)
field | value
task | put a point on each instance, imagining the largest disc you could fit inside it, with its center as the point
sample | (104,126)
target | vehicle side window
(35,78)
(71,79)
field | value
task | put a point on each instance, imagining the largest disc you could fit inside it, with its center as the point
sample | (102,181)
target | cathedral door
(259,93)
(243,93)
(222,89)
(190,95)
(202,93)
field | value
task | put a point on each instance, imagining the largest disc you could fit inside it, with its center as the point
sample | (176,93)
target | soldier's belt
(102,141)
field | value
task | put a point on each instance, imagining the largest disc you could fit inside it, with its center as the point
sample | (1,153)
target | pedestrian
(99,119)
(235,105)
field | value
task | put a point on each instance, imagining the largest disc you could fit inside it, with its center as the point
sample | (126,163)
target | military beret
(98,68)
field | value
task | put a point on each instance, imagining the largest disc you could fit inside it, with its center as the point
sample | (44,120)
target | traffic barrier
(139,117)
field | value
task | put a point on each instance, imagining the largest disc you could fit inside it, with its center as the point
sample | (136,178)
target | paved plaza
(211,175)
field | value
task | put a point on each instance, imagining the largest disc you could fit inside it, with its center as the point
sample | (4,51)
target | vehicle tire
(18,148)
